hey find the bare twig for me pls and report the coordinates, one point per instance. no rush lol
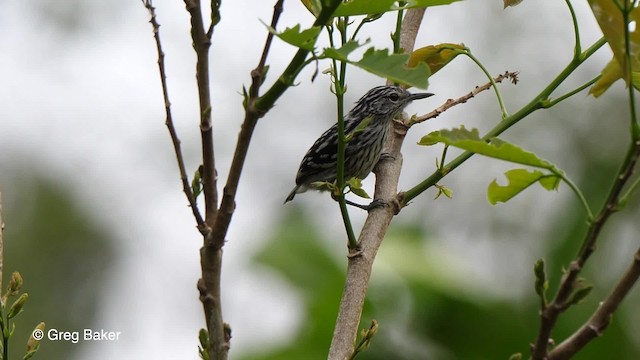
(169, 119)
(513, 76)
(550, 313)
(601, 318)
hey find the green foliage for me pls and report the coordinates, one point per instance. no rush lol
(393, 67)
(196, 183)
(495, 148)
(380, 62)
(365, 339)
(7, 324)
(518, 179)
(376, 61)
(541, 283)
(304, 39)
(355, 186)
(203, 348)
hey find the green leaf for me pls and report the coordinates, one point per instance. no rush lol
(355, 185)
(343, 52)
(17, 306)
(579, 294)
(519, 179)
(305, 39)
(368, 7)
(381, 63)
(443, 190)
(393, 67)
(470, 140)
(196, 183)
(203, 348)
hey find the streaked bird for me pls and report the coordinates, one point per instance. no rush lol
(378, 107)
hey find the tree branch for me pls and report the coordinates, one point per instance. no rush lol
(210, 256)
(376, 225)
(169, 120)
(549, 315)
(601, 318)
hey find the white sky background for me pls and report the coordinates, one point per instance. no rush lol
(84, 103)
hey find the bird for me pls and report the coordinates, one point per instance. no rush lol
(378, 107)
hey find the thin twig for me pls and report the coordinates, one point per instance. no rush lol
(513, 76)
(601, 318)
(169, 119)
(560, 303)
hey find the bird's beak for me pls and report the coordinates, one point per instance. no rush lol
(419, 96)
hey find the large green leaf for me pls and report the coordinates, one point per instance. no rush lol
(305, 39)
(495, 148)
(381, 63)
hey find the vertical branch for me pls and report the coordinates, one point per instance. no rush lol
(201, 45)
(359, 267)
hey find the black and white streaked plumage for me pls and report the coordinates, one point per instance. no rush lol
(381, 104)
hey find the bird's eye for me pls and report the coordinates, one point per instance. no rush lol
(394, 97)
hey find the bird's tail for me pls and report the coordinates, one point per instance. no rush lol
(292, 194)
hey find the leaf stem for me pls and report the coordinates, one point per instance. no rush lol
(577, 49)
(579, 194)
(503, 109)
